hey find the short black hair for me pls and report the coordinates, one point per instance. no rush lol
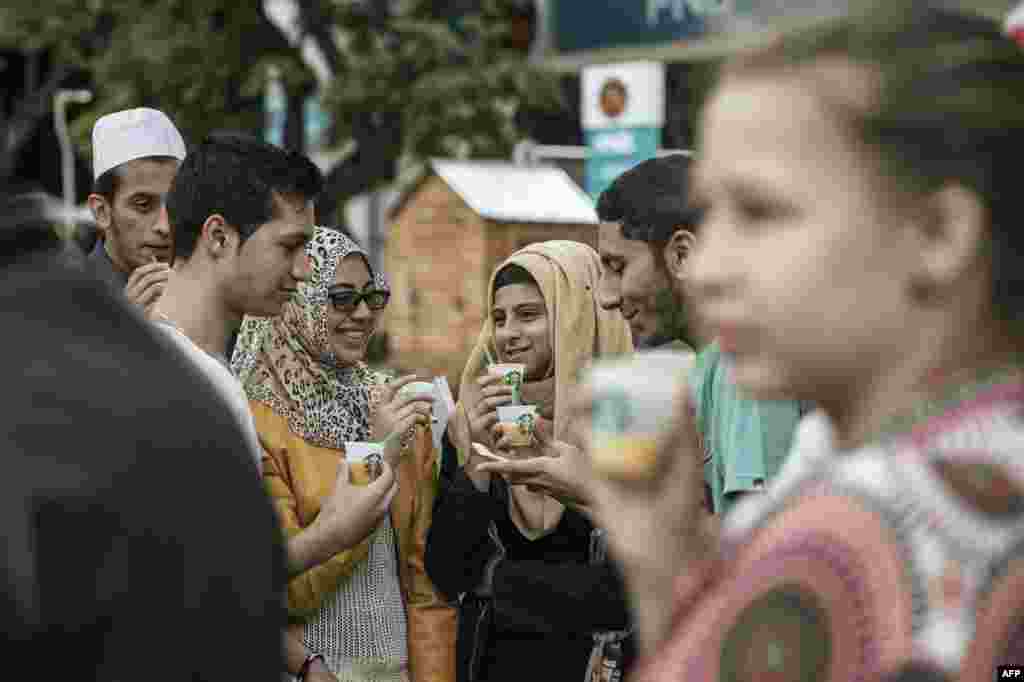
(513, 274)
(235, 175)
(651, 200)
(106, 184)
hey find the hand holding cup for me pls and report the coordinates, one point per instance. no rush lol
(551, 466)
(351, 512)
(481, 403)
(647, 460)
(399, 410)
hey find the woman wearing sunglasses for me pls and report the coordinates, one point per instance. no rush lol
(371, 611)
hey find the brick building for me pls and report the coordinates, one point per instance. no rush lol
(448, 233)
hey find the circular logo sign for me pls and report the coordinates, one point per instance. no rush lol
(614, 97)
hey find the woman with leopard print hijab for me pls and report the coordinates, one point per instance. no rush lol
(371, 611)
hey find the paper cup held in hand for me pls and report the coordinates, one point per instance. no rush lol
(365, 462)
(517, 422)
(633, 400)
(513, 373)
(420, 389)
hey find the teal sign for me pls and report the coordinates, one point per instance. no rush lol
(613, 151)
(586, 24)
(316, 123)
(275, 110)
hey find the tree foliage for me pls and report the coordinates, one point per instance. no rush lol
(454, 80)
(191, 58)
(430, 80)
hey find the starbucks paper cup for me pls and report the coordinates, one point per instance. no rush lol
(517, 422)
(423, 389)
(513, 373)
(365, 462)
(633, 401)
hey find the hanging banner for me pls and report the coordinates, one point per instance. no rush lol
(587, 25)
(623, 109)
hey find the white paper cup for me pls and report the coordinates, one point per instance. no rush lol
(423, 389)
(365, 462)
(517, 422)
(514, 373)
(633, 401)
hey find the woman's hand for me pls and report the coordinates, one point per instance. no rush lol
(482, 404)
(347, 516)
(550, 466)
(656, 528)
(395, 414)
(318, 672)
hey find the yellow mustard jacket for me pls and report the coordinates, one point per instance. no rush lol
(298, 475)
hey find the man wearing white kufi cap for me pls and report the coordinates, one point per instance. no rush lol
(136, 154)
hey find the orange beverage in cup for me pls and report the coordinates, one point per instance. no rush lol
(517, 422)
(633, 401)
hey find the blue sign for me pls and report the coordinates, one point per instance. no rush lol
(611, 152)
(586, 24)
(275, 111)
(316, 122)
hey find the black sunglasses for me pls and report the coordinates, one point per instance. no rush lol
(347, 301)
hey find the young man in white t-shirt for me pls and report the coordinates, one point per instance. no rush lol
(241, 213)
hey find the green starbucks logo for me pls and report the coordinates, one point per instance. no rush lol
(525, 422)
(374, 465)
(514, 378)
(612, 413)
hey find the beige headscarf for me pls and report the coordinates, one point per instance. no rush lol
(567, 273)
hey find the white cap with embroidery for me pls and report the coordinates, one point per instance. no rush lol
(131, 134)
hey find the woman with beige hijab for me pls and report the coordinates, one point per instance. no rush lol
(531, 593)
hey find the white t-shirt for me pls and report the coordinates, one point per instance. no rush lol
(225, 382)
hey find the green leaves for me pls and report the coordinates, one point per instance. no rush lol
(187, 57)
(452, 82)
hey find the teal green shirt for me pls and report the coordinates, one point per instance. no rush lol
(745, 441)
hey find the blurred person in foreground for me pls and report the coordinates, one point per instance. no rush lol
(136, 154)
(859, 251)
(242, 213)
(533, 590)
(106, 574)
(371, 610)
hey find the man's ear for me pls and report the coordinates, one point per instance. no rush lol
(217, 237)
(102, 211)
(677, 252)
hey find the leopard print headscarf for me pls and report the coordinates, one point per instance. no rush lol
(286, 362)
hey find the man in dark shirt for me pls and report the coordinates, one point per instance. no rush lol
(136, 154)
(119, 563)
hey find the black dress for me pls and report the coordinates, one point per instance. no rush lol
(547, 598)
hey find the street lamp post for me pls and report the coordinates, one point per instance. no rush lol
(67, 155)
